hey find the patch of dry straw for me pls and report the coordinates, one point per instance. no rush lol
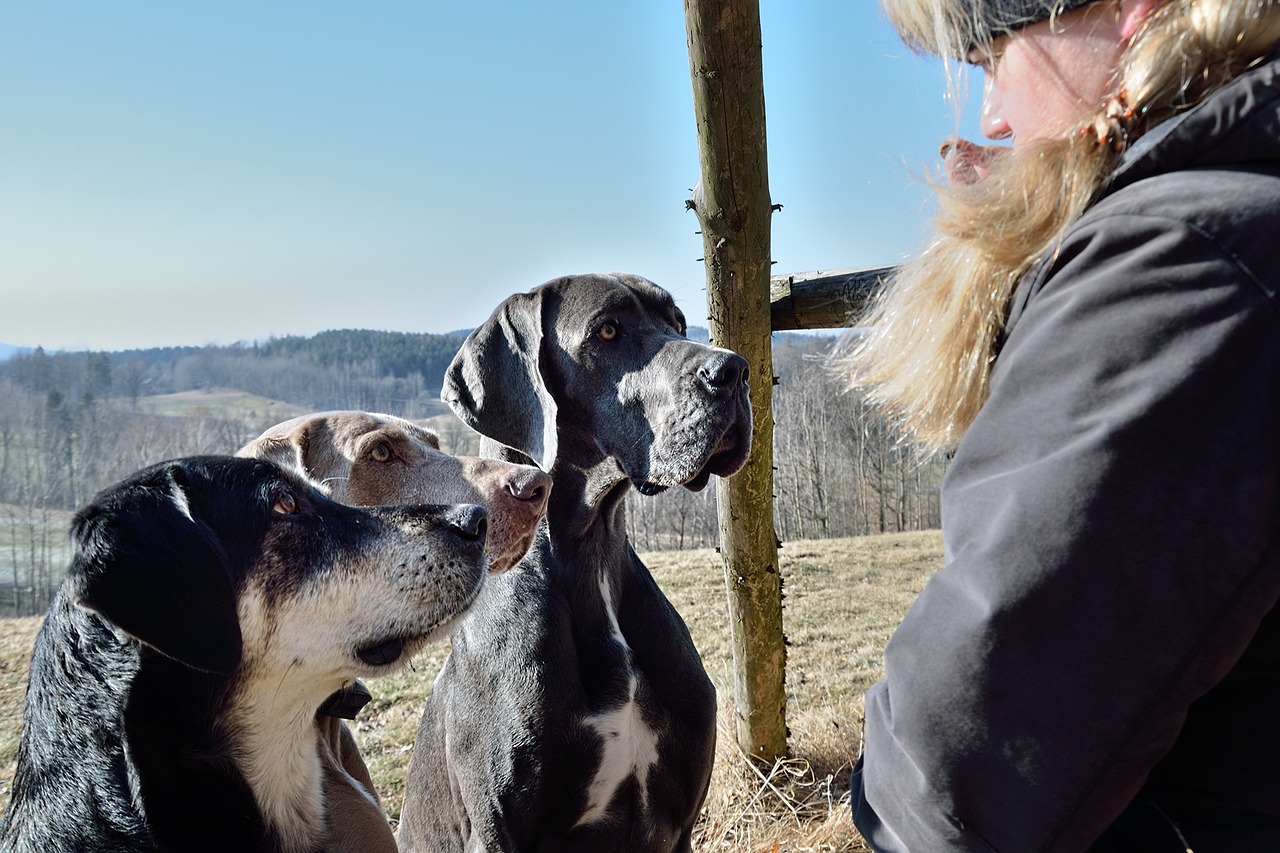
(789, 806)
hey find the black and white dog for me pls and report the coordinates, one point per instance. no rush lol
(573, 712)
(211, 606)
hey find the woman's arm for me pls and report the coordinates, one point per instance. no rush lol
(1111, 523)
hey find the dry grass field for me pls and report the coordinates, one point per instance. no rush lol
(220, 402)
(234, 403)
(843, 599)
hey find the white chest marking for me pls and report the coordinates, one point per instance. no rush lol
(283, 770)
(271, 725)
(629, 745)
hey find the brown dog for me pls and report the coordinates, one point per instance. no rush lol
(368, 459)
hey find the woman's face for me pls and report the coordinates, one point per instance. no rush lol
(1043, 79)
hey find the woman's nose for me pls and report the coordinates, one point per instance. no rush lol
(992, 122)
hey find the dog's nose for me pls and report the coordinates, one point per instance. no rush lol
(723, 371)
(532, 485)
(469, 521)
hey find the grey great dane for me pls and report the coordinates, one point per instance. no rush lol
(573, 711)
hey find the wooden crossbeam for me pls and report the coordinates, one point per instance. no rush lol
(826, 299)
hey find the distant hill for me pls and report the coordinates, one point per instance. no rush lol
(219, 402)
(395, 372)
(396, 354)
(347, 368)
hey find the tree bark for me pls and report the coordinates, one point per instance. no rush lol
(733, 207)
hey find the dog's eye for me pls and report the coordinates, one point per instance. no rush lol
(285, 504)
(380, 453)
(607, 332)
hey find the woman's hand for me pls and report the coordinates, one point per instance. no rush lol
(966, 162)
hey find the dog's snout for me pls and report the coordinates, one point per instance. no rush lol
(469, 522)
(723, 371)
(532, 485)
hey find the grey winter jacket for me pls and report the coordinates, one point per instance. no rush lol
(1098, 662)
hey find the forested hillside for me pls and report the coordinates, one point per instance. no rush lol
(72, 423)
(335, 369)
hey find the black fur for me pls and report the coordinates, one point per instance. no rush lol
(593, 378)
(122, 747)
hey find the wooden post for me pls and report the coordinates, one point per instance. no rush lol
(831, 299)
(733, 207)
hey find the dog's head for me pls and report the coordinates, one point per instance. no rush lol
(223, 563)
(369, 459)
(604, 359)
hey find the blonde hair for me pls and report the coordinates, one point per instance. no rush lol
(926, 358)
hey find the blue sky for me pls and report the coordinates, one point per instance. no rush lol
(193, 173)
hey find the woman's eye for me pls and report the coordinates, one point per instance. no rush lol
(607, 332)
(988, 59)
(285, 504)
(381, 453)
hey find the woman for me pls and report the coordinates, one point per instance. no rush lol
(1095, 333)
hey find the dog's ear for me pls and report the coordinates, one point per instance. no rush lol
(282, 450)
(295, 449)
(496, 383)
(143, 562)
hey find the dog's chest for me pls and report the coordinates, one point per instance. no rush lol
(628, 744)
(277, 751)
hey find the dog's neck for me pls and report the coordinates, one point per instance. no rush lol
(587, 504)
(270, 724)
(587, 498)
(129, 753)
(586, 526)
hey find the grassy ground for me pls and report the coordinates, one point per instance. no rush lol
(221, 402)
(844, 597)
(234, 403)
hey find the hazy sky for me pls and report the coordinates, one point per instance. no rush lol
(200, 172)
